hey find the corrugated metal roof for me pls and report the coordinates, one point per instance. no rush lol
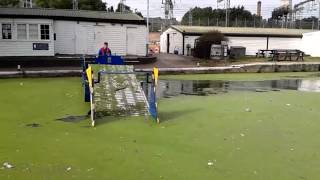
(278, 32)
(69, 14)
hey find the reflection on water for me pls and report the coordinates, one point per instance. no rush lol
(169, 88)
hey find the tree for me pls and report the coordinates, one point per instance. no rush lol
(9, 3)
(203, 14)
(278, 13)
(95, 5)
(203, 43)
(57, 4)
(110, 9)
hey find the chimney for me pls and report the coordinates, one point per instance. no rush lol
(259, 8)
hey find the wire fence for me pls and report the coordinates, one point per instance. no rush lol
(297, 24)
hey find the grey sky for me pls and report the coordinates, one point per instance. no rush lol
(182, 6)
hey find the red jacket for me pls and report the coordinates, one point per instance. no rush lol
(104, 52)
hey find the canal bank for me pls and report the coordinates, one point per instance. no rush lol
(263, 67)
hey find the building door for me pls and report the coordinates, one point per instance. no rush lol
(168, 43)
(131, 41)
(81, 40)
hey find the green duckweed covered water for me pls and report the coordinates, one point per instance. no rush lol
(239, 135)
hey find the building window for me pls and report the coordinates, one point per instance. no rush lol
(33, 31)
(27, 3)
(22, 31)
(6, 31)
(45, 32)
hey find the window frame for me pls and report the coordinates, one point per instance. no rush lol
(38, 32)
(45, 34)
(11, 31)
(26, 31)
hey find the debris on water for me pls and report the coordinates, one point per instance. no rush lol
(158, 155)
(73, 119)
(242, 135)
(90, 169)
(276, 90)
(200, 93)
(288, 104)
(210, 163)
(261, 90)
(7, 165)
(248, 110)
(21, 84)
(255, 172)
(26, 169)
(68, 169)
(69, 95)
(34, 125)
(291, 149)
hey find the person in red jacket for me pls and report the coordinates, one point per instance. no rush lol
(105, 50)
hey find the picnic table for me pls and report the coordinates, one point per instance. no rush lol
(283, 54)
(287, 55)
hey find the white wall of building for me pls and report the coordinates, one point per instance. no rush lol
(24, 47)
(310, 44)
(175, 41)
(65, 37)
(252, 44)
(285, 43)
(74, 37)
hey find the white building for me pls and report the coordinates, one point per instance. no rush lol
(310, 43)
(47, 32)
(180, 37)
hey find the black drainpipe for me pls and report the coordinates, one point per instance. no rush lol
(183, 43)
(267, 42)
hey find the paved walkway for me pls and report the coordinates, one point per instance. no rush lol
(170, 61)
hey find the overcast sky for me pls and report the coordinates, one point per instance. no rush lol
(182, 6)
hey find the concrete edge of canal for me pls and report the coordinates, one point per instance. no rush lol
(269, 67)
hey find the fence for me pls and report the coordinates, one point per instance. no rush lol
(298, 24)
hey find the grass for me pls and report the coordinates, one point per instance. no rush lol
(273, 141)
